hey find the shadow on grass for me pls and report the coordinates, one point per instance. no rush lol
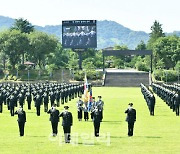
(118, 137)
(152, 137)
(36, 136)
(112, 122)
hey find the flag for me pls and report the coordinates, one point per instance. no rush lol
(90, 100)
(85, 89)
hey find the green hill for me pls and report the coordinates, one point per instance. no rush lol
(109, 33)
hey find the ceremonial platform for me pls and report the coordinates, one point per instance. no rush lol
(125, 78)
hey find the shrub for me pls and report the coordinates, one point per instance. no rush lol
(163, 75)
(171, 75)
(158, 74)
(141, 66)
(91, 75)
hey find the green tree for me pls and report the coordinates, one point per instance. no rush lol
(41, 45)
(141, 46)
(24, 26)
(167, 51)
(59, 58)
(156, 32)
(13, 43)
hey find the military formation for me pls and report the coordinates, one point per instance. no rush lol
(15, 95)
(170, 94)
(41, 93)
(149, 97)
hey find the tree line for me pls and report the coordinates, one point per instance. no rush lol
(22, 42)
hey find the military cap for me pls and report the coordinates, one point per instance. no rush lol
(131, 104)
(66, 107)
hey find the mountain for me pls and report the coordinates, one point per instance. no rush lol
(109, 33)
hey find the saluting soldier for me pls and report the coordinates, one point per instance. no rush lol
(80, 108)
(66, 123)
(131, 118)
(96, 121)
(54, 118)
(21, 120)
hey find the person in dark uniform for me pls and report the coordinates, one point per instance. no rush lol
(100, 104)
(57, 97)
(52, 97)
(152, 104)
(66, 123)
(11, 104)
(62, 95)
(21, 120)
(177, 103)
(131, 118)
(96, 121)
(1, 102)
(46, 101)
(21, 99)
(85, 109)
(92, 107)
(38, 101)
(54, 118)
(29, 99)
(80, 108)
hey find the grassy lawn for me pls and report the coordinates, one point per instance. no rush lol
(158, 134)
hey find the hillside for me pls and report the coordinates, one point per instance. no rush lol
(109, 33)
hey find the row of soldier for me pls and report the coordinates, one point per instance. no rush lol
(41, 93)
(172, 98)
(149, 97)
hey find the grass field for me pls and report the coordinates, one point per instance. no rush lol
(158, 134)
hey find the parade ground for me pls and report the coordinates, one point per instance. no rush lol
(152, 134)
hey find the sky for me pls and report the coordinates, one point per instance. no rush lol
(134, 14)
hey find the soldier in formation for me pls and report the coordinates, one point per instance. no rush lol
(170, 94)
(149, 97)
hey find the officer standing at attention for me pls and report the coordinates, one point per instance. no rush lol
(38, 101)
(131, 118)
(54, 118)
(21, 120)
(66, 123)
(96, 121)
